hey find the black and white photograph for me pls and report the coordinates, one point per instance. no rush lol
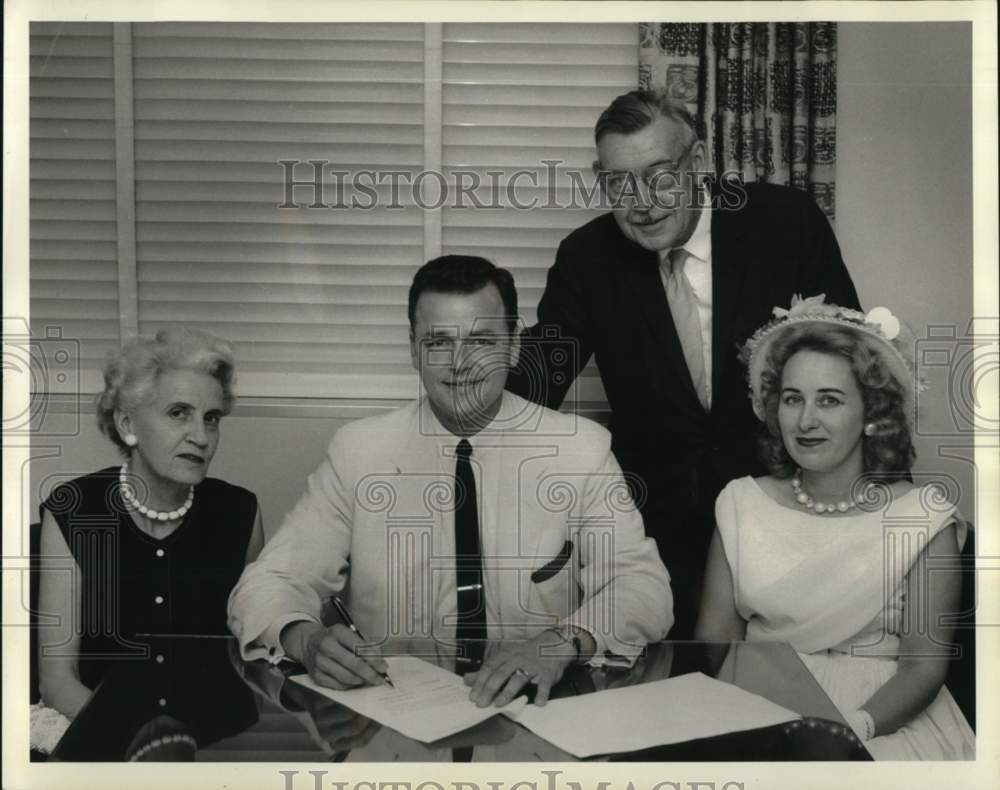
(539, 395)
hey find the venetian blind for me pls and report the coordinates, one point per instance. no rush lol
(523, 98)
(313, 298)
(73, 260)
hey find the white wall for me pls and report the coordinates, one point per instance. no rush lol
(272, 456)
(904, 222)
(904, 198)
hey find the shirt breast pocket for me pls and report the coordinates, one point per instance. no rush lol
(554, 589)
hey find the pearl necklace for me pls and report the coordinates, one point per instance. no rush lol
(156, 515)
(821, 507)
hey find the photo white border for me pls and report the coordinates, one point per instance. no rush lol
(18, 773)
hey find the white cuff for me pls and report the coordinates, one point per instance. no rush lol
(268, 645)
(613, 660)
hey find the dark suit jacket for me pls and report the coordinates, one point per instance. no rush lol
(604, 298)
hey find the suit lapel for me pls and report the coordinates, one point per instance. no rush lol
(643, 275)
(731, 259)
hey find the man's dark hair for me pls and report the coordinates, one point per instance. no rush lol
(633, 111)
(463, 274)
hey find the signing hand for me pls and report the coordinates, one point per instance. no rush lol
(510, 666)
(330, 655)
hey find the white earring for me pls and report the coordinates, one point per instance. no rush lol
(130, 439)
(870, 429)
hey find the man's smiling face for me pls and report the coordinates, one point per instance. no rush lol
(463, 347)
(662, 146)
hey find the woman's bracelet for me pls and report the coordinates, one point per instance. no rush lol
(862, 723)
(164, 741)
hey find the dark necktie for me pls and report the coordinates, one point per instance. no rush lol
(471, 624)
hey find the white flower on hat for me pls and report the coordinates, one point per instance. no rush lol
(887, 323)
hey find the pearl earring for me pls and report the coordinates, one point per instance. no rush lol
(130, 440)
(870, 429)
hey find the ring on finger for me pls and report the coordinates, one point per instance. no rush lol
(522, 673)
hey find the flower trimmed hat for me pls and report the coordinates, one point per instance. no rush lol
(892, 340)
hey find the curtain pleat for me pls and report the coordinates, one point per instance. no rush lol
(766, 94)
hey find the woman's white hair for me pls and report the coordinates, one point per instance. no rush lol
(130, 374)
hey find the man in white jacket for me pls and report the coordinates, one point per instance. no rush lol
(558, 570)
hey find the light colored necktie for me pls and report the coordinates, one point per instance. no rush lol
(684, 309)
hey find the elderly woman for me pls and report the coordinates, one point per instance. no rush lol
(156, 545)
(829, 553)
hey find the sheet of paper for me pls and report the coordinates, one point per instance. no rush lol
(427, 703)
(650, 714)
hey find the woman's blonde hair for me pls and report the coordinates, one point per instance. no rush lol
(888, 452)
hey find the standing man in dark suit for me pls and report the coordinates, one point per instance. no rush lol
(662, 291)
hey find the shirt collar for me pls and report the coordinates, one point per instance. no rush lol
(700, 244)
(506, 415)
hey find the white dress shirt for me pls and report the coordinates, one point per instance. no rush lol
(698, 269)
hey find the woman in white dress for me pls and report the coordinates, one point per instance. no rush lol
(830, 552)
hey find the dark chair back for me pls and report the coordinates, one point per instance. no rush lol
(33, 584)
(961, 679)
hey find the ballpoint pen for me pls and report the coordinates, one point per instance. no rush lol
(349, 622)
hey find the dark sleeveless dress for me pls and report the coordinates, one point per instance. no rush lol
(132, 583)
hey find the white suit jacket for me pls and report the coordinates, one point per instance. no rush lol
(561, 539)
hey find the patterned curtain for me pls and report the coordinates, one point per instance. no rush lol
(765, 92)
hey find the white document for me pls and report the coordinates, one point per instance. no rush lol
(428, 702)
(650, 714)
